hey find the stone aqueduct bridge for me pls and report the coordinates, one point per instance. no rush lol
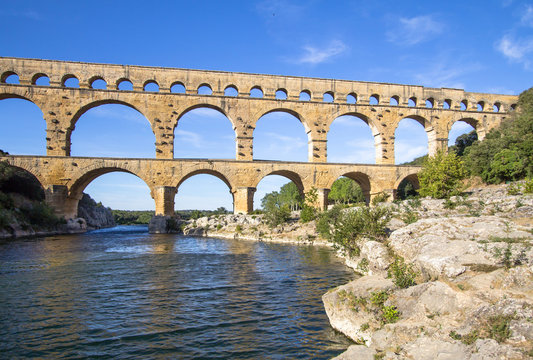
(65, 177)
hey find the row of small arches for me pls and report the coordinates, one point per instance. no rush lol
(71, 81)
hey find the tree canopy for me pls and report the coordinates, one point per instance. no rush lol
(346, 191)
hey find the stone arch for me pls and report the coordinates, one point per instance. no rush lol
(411, 178)
(67, 77)
(430, 136)
(394, 100)
(360, 178)
(305, 95)
(294, 148)
(83, 179)
(374, 130)
(368, 120)
(289, 174)
(473, 122)
(7, 74)
(20, 130)
(30, 168)
(256, 92)
(212, 172)
(204, 105)
(94, 104)
(93, 79)
(150, 83)
(204, 87)
(124, 80)
(38, 76)
(292, 112)
(177, 87)
(82, 110)
(231, 90)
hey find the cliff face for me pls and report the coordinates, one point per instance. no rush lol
(95, 214)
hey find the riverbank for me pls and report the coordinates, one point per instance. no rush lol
(472, 263)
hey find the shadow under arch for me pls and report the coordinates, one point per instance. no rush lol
(34, 174)
(400, 182)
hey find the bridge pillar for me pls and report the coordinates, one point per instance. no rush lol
(56, 196)
(384, 146)
(390, 192)
(243, 200)
(322, 200)
(437, 144)
(245, 148)
(164, 200)
(164, 146)
(318, 148)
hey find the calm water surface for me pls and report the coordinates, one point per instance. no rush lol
(123, 293)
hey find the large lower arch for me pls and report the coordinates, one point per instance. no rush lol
(111, 128)
(401, 190)
(23, 126)
(362, 179)
(279, 178)
(277, 136)
(206, 193)
(79, 184)
(202, 131)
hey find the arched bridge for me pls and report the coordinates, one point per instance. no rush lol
(164, 95)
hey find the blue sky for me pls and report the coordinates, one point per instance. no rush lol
(482, 46)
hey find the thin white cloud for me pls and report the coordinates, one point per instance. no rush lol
(527, 16)
(315, 55)
(440, 73)
(415, 30)
(189, 137)
(516, 50)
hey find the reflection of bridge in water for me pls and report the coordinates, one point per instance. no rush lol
(243, 99)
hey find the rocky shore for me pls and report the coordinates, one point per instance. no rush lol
(91, 216)
(471, 261)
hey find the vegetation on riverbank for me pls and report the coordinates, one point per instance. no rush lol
(22, 202)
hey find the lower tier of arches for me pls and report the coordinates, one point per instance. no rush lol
(65, 178)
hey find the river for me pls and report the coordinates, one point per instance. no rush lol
(123, 293)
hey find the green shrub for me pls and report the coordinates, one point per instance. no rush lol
(378, 298)
(238, 228)
(6, 201)
(355, 224)
(389, 314)
(380, 198)
(441, 176)
(528, 186)
(403, 275)
(277, 215)
(41, 215)
(514, 189)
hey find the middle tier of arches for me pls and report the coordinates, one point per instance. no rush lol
(63, 108)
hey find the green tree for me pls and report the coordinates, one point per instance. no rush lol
(514, 135)
(345, 191)
(441, 176)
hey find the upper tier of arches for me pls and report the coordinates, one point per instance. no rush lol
(217, 83)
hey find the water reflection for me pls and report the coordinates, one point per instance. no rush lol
(125, 293)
